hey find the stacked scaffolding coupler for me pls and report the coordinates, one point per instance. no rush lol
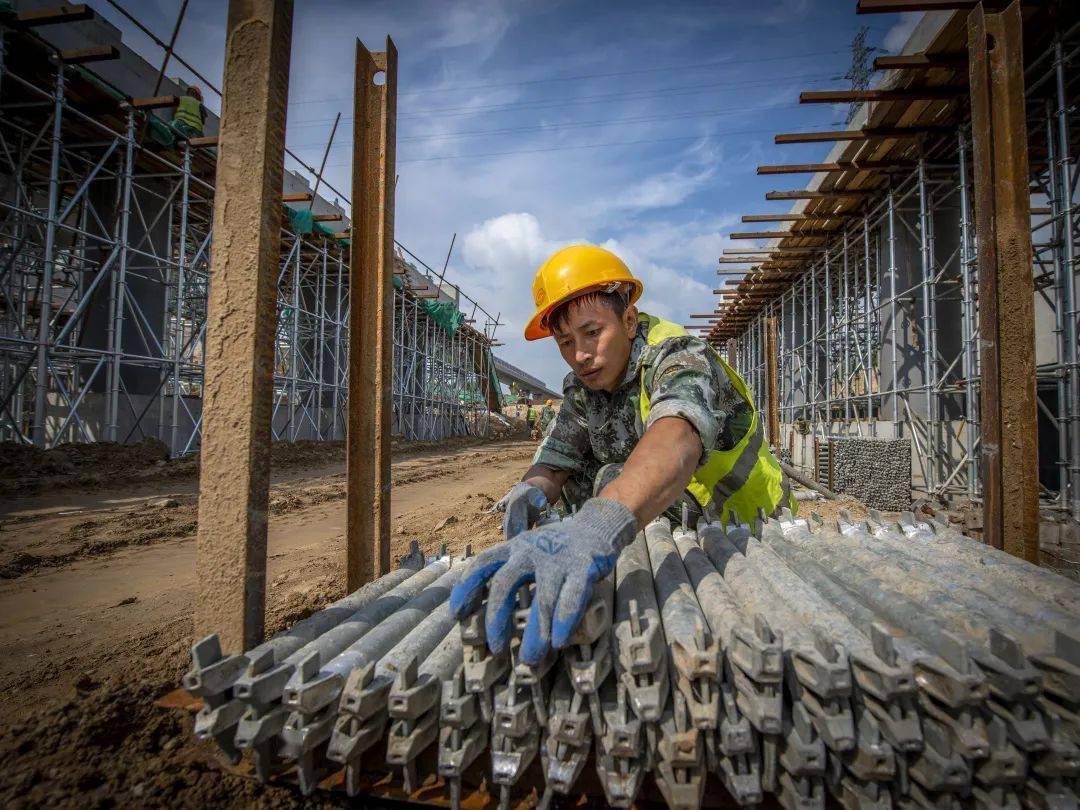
(882, 664)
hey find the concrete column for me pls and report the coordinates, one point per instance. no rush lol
(235, 457)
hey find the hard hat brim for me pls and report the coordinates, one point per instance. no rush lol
(537, 327)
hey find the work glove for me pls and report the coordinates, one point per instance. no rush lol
(522, 506)
(564, 558)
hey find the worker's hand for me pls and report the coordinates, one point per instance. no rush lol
(563, 558)
(522, 505)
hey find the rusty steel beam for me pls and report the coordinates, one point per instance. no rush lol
(772, 382)
(234, 476)
(1009, 442)
(371, 296)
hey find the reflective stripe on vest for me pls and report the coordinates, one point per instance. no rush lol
(189, 110)
(740, 481)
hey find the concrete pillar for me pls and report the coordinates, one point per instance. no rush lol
(235, 459)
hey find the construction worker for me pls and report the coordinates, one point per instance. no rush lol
(188, 117)
(650, 416)
(547, 416)
(530, 414)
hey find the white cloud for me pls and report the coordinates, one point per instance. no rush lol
(502, 254)
(897, 36)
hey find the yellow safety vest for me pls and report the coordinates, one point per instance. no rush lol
(189, 110)
(739, 481)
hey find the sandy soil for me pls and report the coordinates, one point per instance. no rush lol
(96, 603)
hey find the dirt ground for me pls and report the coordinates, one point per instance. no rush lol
(96, 582)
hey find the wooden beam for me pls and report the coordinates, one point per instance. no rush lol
(1009, 444)
(842, 166)
(204, 141)
(902, 6)
(782, 234)
(371, 297)
(800, 194)
(327, 218)
(794, 251)
(753, 260)
(296, 198)
(859, 134)
(920, 61)
(95, 53)
(908, 94)
(793, 217)
(54, 15)
(234, 458)
(772, 383)
(154, 102)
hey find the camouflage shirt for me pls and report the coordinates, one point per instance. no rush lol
(684, 378)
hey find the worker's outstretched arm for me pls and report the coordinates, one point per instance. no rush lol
(566, 558)
(658, 470)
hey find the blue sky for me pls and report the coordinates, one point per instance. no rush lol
(524, 126)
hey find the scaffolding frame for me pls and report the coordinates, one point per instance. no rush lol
(105, 245)
(849, 327)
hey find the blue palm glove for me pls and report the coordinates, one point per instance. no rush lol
(564, 559)
(523, 506)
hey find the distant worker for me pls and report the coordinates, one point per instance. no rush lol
(547, 416)
(188, 118)
(651, 418)
(530, 414)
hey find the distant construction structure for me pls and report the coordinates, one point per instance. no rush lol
(924, 284)
(105, 244)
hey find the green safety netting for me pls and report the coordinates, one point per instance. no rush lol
(444, 313)
(302, 221)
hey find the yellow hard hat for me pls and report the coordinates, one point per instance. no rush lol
(550, 402)
(571, 272)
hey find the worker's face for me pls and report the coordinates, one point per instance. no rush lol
(595, 343)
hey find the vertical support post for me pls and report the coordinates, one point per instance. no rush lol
(41, 385)
(118, 303)
(1006, 296)
(178, 328)
(371, 295)
(772, 382)
(234, 482)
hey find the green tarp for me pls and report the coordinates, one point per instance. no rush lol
(302, 222)
(444, 313)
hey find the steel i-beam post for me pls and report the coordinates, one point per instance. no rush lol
(772, 377)
(1006, 295)
(234, 483)
(371, 317)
